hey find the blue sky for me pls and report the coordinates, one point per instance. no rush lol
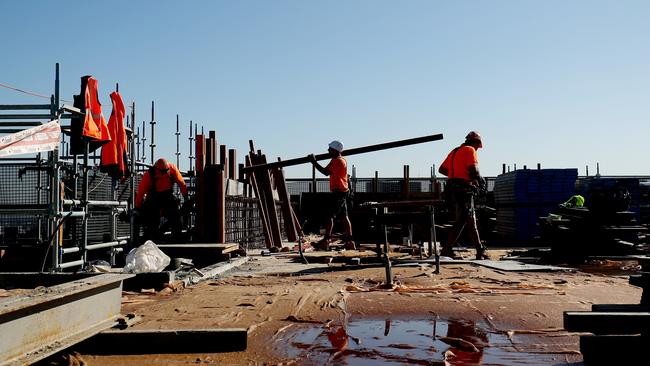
(561, 83)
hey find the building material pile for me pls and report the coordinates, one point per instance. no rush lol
(608, 225)
(620, 330)
(522, 196)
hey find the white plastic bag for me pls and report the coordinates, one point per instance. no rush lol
(146, 258)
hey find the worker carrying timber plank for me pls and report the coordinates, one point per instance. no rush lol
(464, 178)
(337, 170)
(155, 198)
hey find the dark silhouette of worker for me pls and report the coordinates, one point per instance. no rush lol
(464, 178)
(337, 170)
(155, 199)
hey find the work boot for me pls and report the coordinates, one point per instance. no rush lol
(323, 244)
(350, 245)
(447, 252)
(481, 253)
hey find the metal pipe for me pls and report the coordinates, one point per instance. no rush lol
(84, 198)
(56, 88)
(348, 152)
(191, 155)
(96, 203)
(106, 245)
(20, 124)
(55, 181)
(132, 151)
(70, 250)
(23, 107)
(153, 129)
(72, 264)
(388, 266)
(178, 145)
(433, 248)
(123, 241)
(25, 116)
(144, 141)
(71, 214)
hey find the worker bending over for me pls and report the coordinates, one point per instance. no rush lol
(337, 170)
(155, 198)
(464, 178)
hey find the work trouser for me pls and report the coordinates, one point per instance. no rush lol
(461, 203)
(156, 206)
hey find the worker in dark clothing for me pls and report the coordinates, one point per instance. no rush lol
(155, 198)
(337, 170)
(464, 178)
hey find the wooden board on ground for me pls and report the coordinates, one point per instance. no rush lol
(518, 266)
(202, 254)
(159, 341)
(330, 256)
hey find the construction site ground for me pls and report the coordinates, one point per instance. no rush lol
(298, 314)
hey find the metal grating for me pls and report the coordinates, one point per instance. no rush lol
(22, 204)
(243, 223)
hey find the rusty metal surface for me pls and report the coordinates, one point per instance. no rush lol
(45, 320)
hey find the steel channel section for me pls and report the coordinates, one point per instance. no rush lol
(38, 324)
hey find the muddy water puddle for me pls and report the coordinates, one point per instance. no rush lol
(404, 342)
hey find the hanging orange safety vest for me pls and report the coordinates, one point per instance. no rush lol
(114, 153)
(95, 128)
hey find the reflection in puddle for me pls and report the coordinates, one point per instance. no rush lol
(405, 341)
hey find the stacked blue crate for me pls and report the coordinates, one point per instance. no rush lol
(522, 196)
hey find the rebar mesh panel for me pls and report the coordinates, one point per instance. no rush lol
(22, 186)
(243, 223)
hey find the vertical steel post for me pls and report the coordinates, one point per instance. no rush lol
(178, 146)
(133, 234)
(84, 203)
(387, 263)
(153, 129)
(144, 141)
(137, 144)
(433, 241)
(191, 155)
(54, 198)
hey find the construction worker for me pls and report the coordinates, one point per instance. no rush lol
(575, 201)
(337, 170)
(155, 198)
(464, 178)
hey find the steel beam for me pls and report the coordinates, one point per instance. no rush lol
(39, 323)
(346, 152)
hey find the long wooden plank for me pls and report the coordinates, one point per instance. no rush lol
(607, 322)
(221, 205)
(285, 204)
(252, 180)
(620, 307)
(264, 182)
(614, 349)
(161, 341)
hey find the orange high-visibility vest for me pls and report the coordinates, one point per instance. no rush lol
(95, 128)
(154, 180)
(114, 153)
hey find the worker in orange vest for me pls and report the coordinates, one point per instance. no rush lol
(337, 170)
(155, 198)
(464, 178)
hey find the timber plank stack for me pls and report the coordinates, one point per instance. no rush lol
(621, 332)
(274, 203)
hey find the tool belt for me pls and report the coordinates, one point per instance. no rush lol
(457, 186)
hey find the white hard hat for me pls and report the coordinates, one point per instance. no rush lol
(336, 145)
